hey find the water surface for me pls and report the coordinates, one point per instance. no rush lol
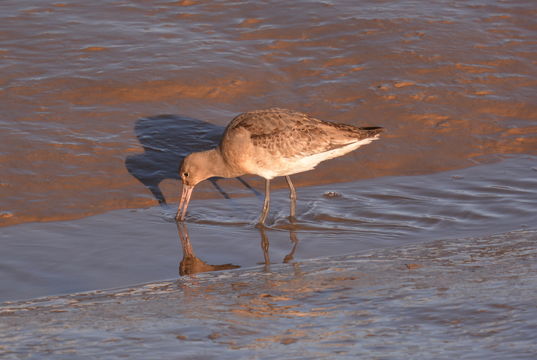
(419, 245)
(471, 298)
(453, 82)
(134, 246)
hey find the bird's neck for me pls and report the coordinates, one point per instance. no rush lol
(217, 166)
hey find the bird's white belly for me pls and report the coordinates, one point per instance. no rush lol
(269, 165)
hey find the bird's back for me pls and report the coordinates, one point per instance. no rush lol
(277, 142)
(290, 133)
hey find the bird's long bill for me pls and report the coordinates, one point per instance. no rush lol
(183, 204)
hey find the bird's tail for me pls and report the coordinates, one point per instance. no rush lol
(371, 131)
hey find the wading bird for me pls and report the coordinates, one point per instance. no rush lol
(270, 143)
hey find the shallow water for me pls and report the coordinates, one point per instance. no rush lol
(451, 81)
(128, 247)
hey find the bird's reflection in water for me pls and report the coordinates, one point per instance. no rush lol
(191, 264)
(265, 247)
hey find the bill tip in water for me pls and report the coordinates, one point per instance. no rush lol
(183, 203)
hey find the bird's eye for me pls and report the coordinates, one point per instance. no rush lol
(185, 174)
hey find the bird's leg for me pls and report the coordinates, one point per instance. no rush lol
(266, 204)
(292, 197)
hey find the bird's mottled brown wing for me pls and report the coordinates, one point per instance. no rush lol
(290, 133)
(284, 132)
(269, 121)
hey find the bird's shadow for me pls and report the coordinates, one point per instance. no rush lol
(166, 140)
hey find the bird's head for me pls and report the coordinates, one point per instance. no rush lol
(195, 169)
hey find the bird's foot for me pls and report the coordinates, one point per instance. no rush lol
(261, 226)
